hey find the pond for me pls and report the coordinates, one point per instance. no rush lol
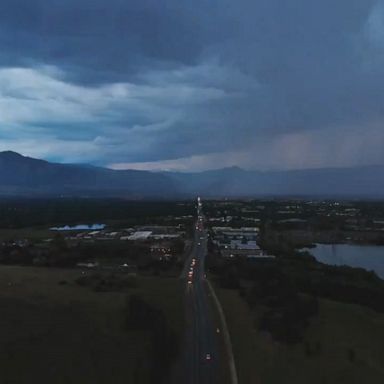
(369, 257)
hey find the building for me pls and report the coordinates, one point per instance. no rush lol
(140, 235)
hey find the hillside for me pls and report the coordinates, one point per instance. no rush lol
(24, 176)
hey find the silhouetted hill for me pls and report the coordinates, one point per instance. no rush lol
(349, 182)
(24, 176)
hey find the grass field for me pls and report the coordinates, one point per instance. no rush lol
(25, 233)
(55, 332)
(324, 357)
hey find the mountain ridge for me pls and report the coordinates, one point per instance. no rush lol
(21, 175)
(26, 176)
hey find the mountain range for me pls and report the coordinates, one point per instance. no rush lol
(27, 177)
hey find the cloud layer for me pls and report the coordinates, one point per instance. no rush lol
(183, 85)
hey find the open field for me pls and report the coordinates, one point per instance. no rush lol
(343, 344)
(26, 233)
(54, 331)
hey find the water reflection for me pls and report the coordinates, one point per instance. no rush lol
(369, 257)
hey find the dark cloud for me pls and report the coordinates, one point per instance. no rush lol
(151, 80)
(105, 40)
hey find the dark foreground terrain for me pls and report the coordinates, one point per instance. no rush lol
(53, 330)
(108, 305)
(293, 319)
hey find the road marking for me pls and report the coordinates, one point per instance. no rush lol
(227, 337)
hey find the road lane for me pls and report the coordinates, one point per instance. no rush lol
(201, 351)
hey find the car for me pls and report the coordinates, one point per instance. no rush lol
(208, 357)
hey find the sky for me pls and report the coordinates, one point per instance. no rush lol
(193, 85)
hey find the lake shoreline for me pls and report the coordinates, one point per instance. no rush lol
(368, 257)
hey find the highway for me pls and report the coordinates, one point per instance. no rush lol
(201, 343)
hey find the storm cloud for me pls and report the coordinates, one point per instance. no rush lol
(176, 84)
